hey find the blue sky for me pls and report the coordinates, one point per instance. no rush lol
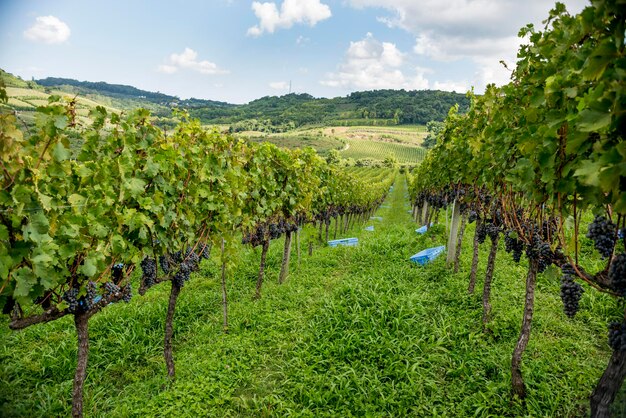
(240, 50)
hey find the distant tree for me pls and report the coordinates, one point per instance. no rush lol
(367, 162)
(349, 162)
(390, 161)
(333, 157)
(434, 129)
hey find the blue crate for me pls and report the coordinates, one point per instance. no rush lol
(369, 228)
(347, 242)
(422, 229)
(427, 255)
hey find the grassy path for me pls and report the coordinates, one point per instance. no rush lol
(355, 331)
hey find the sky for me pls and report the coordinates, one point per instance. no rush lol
(240, 50)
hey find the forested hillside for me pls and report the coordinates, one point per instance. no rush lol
(378, 107)
(279, 113)
(122, 91)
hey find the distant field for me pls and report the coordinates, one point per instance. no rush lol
(26, 97)
(377, 142)
(321, 143)
(405, 134)
(363, 148)
(357, 142)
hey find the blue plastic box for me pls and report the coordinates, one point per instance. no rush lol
(427, 255)
(369, 228)
(348, 242)
(422, 229)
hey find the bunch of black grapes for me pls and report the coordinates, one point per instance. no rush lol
(540, 251)
(571, 292)
(617, 335)
(602, 232)
(481, 233)
(187, 265)
(617, 274)
(513, 245)
(149, 271)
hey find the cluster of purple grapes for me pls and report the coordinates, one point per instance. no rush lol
(571, 292)
(513, 245)
(187, 265)
(117, 273)
(71, 297)
(110, 290)
(87, 302)
(540, 251)
(437, 201)
(481, 233)
(493, 230)
(78, 304)
(273, 230)
(256, 237)
(602, 232)
(617, 335)
(617, 274)
(276, 229)
(127, 293)
(149, 272)
(205, 252)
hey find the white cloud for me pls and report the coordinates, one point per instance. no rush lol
(279, 85)
(49, 30)
(451, 48)
(291, 12)
(188, 59)
(459, 87)
(480, 31)
(495, 18)
(371, 64)
(167, 69)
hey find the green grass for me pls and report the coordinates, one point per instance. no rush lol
(356, 331)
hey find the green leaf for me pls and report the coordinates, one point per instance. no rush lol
(60, 153)
(89, 267)
(593, 120)
(60, 122)
(600, 58)
(135, 186)
(118, 244)
(46, 201)
(25, 279)
(76, 200)
(83, 171)
(589, 173)
(98, 230)
(37, 228)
